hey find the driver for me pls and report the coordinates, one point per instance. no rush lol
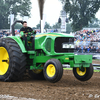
(26, 31)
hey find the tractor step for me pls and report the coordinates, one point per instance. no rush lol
(31, 52)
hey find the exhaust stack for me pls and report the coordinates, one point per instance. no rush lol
(41, 7)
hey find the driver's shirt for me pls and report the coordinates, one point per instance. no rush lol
(26, 29)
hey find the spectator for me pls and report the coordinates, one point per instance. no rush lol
(84, 49)
(91, 49)
(88, 50)
(98, 50)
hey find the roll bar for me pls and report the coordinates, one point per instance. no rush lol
(12, 27)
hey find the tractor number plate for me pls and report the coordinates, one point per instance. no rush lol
(67, 46)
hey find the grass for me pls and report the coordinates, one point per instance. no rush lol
(94, 70)
(72, 69)
(97, 66)
(96, 59)
(67, 68)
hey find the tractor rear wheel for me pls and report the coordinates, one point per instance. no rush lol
(53, 70)
(12, 60)
(84, 74)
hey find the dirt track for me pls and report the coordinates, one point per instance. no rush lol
(96, 62)
(69, 88)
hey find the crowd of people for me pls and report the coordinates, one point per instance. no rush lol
(4, 33)
(89, 49)
(87, 41)
(92, 35)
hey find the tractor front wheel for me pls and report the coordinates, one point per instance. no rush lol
(83, 74)
(53, 70)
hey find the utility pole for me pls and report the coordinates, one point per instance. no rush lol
(11, 17)
(63, 18)
(63, 21)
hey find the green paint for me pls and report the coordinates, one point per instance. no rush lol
(41, 39)
(44, 50)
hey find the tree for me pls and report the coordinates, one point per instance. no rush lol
(18, 26)
(17, 7)
(38, 26)
(95, 23)
(34, 28)
(81, 11)
(47, 26)
(57, 25)
(68, 28)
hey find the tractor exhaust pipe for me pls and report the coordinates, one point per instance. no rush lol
(41, 7)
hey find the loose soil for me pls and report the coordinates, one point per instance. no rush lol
(68, 88)
(96, 61)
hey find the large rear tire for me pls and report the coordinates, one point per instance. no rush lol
(84, 75)
(53, 70)
(12, 61)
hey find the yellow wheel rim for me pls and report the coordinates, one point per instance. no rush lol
(4, 60)
(51, 70)
(81, 73)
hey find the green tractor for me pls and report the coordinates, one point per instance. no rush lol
(52, 50)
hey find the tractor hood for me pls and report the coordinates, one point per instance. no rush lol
(53, 35)
(50, 45)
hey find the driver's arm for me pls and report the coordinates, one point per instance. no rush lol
(34, 32)
(22, 33)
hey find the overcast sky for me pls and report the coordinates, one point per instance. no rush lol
(52, 10)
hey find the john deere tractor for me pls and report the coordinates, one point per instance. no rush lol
(51, 51)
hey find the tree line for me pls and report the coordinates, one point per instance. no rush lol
(81, 13)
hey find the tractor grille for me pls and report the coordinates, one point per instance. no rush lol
(60, 41)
